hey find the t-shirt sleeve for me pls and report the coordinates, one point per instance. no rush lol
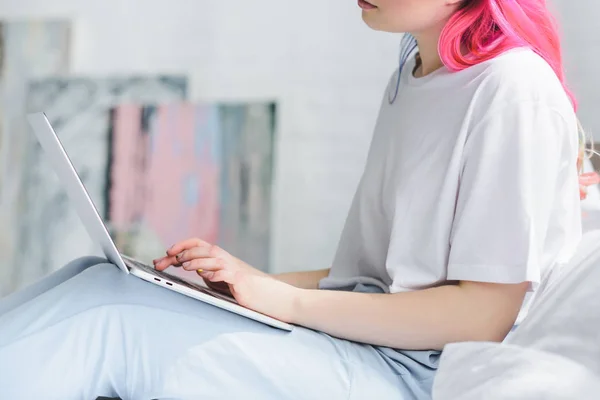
(511, 171)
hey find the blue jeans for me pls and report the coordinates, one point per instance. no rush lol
(90, 330)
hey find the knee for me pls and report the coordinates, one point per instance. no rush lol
(83, 263)
(78, 266)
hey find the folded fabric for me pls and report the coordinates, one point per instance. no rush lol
(493, 371)
(565, 316)
(553, 354)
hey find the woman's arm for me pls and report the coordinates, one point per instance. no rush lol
(304, 279)
(420, 320)
(424, 319)
(203, 256)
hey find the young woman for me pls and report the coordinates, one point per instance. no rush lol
(469, 195)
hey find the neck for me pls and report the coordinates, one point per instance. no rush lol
(428, 51)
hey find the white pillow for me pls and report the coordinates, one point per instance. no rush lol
(553, 354)
(564, 317)
(493, 371)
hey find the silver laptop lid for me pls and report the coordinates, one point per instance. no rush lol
(75, 189)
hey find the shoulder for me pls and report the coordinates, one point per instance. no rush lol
(520, 76)
(519, 84)
(517, 95)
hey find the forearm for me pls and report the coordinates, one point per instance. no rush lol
(420, 320)
(304, 279)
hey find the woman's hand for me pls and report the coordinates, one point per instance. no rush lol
(585, 180)
(260, 293)
(221, 271)
(198, 255)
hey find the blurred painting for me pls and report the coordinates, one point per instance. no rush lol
(50, 232)
(248, 142)
(191, 170)
(28, 49)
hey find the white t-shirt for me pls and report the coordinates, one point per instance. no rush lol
(471, 175)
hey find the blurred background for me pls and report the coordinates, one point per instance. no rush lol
(242, 122)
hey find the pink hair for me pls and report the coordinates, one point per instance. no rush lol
(487, 28)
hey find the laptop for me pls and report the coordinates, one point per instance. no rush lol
(97, 230)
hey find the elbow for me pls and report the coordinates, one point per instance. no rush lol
(494, 311)
(492, 327)
(492, 332)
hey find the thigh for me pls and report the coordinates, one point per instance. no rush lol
(28, 293)
(105, 333)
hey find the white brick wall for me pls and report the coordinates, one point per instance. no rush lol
(579, 24)
(318, 59)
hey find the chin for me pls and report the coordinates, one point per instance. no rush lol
(371, 22)
(376, 24)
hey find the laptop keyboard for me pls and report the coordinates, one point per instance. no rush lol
(131, 263)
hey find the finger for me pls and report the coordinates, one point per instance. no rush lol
(165, 263)
(222, 275)
(206, 275)
(582, 192)
(589, 179)
(208, 251)
(184, 245)
(157, 260)
(195, 252)
(210, 264)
